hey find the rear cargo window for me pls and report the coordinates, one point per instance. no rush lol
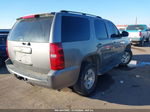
(31, 30)
(135, 27)
(75, 29)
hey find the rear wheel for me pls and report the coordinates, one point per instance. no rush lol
(126, 58)
(141, 43)
(87, 80)
(147, 40)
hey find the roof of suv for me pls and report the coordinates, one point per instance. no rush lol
(137, 25)
(53, 13)
(79, 13)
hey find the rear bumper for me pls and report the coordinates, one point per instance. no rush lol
(54, 79)
(135, 39)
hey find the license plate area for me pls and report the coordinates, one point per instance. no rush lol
(23, 58)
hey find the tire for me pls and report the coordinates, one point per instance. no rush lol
(82, 86)
(147, 40)
(126, 58)
(141, 43)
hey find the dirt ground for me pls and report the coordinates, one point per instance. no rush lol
(120, 88)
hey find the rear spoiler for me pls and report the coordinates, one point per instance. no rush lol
(37, 16)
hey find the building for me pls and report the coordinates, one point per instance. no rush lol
(122, 27)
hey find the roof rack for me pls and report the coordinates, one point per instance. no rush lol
(80, 13)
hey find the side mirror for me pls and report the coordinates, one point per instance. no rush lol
(125, 34)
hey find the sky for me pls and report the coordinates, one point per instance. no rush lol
(118, 11)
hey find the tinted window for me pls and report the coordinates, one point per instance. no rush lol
(112, 29)
(135, 27)
(3, 39)
(31, 30)
(100, 29)
(75, 29)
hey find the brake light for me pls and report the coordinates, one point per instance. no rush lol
(30, 16)
(140, 34)
(7, 48)
(56, 56)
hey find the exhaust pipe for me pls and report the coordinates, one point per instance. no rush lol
(21, 78)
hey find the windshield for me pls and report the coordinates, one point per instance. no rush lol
(135, 27)
(31, 30)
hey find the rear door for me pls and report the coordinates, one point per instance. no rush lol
(28, 43)
(104, 45)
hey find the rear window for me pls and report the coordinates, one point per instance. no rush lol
(75, 29)
(135, 27)
(3, 39)
(31, 30)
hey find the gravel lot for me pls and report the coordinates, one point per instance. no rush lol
(121, 88)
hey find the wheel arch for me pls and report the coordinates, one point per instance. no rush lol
(128, 47)
(92, 58)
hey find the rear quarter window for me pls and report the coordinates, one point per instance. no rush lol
(75, 29)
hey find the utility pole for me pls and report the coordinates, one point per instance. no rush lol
(136, 20)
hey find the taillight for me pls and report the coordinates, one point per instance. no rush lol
(7, 48)
(140, 34)
(56, 56)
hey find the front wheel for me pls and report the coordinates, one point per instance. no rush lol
(126, 58)
(87, 80)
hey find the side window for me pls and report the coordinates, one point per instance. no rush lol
(75, 29)
(112, 29)
(100, 29)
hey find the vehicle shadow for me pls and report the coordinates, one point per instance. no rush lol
(142, 58)
(146, 44)
(3, 70)
(126, 86)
